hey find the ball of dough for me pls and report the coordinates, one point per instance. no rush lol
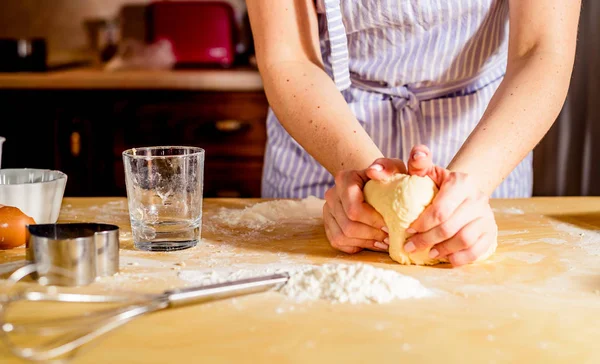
(400, 200)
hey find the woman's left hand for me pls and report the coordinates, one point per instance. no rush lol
(459, 224)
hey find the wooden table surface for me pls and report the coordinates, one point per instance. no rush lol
(536, 300)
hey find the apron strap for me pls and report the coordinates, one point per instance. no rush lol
(338, 44)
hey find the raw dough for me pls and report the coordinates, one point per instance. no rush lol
(400, 200)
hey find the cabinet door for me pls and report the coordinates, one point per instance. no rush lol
(236, 177)
(223, 123)
(27, 124)
(84, 142)
(229, 126)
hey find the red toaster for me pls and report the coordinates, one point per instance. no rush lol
(200, 32)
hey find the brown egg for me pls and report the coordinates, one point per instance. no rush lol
(13, 227)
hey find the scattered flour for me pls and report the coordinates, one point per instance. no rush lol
(509, 211)
(141, 262)
(266, 215)
(553, 241)
(588, 240)
(103, 213)
(214, 276)
(527, 257)
(512, 232)
(336, 283)
(353, 283)
(521, 242)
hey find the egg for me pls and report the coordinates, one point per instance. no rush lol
(13, 227)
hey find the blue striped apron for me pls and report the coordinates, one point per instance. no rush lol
(413, 72)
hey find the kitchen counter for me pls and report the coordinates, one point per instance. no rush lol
(92, 78)
(536, 299)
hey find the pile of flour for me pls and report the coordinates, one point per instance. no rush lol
(266, 215)
(336, 283)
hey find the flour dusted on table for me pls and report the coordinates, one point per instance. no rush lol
(337, 283)
(586, 239)
(509, 211)
(215, 276)
(353, 283)
(268, 214)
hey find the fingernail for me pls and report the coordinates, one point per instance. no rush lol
(419, 155)
(385, 230)
(411, 231)
(377, 167)
(387, 241)
(409, 247)
(433, 253)
(381, 245)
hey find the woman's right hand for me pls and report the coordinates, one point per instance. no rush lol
(351, 224)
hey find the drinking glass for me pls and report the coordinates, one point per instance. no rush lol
(164, 193)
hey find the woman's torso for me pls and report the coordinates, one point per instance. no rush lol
(418, 72)
(421, 43)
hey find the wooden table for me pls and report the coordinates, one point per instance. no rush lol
(536, 300)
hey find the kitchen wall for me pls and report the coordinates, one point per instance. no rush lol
(60, 21)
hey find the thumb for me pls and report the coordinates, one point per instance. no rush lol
(420, 162)
(384, 168)
(438, 175)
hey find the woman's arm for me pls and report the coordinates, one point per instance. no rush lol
(540, 60)
(304, 98)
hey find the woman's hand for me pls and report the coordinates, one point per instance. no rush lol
(351, 224)
(459, 224)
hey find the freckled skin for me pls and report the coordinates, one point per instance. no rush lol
(286, 38)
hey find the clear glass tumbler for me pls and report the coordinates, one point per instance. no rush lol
(164, 193)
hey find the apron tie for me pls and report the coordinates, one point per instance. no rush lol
(338, 44)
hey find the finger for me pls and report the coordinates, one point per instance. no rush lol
(334, 234)
(470, 255)
(438, 174)
(464, 239)
(331, 196)
(353, 229)
(353, 200)
(384, 168)
(420, 162)
(469, 210)
(339, 241)
(452, 193)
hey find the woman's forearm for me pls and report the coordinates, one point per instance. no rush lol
(521, 111)
(315, 114)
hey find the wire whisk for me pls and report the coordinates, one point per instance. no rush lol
(62, 337)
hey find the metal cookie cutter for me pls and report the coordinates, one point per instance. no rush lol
(73, 254)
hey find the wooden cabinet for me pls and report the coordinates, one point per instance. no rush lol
(27, 124)
(85, 132)
(230, 127)
(83, 141)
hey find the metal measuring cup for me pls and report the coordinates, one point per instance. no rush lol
(73, 254)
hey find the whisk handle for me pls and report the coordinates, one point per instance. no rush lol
(184, 296)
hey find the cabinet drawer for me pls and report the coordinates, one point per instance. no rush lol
(224, 124)
(234, 178)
